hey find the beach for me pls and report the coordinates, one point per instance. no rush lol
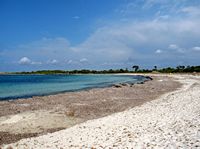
(170, 121)
(37, 116)
(100, 74)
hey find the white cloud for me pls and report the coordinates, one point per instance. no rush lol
(135, 40)
(73, 62)
(164, 4)
(27, 61)
(151, 3)
(24, 61)
(112, 64)
(83, 60)
(192, 11)
(53, 61)
(48, 48)
(173, 46)
(158, 51)
(176, 47)
(76, 17)
(119, 42)
(69, 61)
(36, 63)
(45, 51)
(196, 48)
(162, 17)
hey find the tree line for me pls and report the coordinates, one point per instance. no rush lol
(135, 69)
(178, 69)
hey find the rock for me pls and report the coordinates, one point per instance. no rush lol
(148, 77)
(124, 84)
(140, 83)
(117, 85)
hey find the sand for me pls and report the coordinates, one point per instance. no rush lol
(39, 115)
(170, 121)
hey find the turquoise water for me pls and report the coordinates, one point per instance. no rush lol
(23, 86)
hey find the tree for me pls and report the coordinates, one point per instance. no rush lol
(155, 68)
(180, 67)
(135, 67)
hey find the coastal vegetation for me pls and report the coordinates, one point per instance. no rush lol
(135, 69)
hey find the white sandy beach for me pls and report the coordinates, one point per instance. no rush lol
(171, 121)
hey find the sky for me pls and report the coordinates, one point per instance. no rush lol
(98, 34)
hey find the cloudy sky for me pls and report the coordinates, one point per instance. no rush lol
(98, 34)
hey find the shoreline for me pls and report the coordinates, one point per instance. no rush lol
(40, 115)
(72, 90)
(170, 121)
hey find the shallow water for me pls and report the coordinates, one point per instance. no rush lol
(23, 86)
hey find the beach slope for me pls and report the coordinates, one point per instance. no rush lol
(171, 121)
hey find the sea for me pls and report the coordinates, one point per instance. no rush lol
(25, 86)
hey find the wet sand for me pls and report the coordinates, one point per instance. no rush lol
(36, 116)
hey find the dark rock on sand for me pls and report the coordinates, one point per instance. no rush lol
(148, 77)
(117, 85)
(140, 83)
(124, 84)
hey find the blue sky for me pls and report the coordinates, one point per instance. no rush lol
(98, 34)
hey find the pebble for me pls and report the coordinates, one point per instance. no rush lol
(168, 122)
